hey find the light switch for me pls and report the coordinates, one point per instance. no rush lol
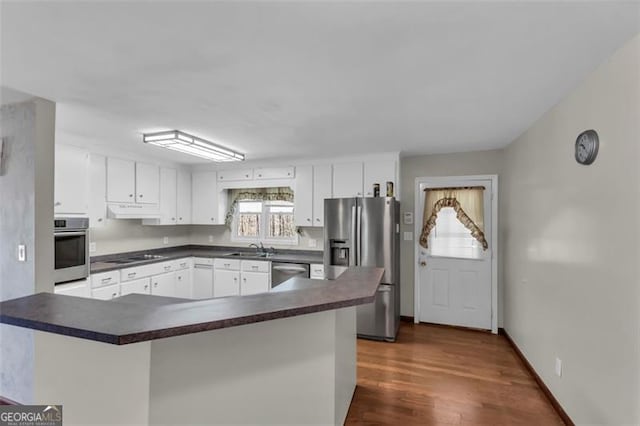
(92, 247)
(313, 242)
(165, 240)
(408, 236)
(408, 218)
(22, 253)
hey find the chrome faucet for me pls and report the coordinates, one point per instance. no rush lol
(259, 248)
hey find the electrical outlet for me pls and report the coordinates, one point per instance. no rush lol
(558, 367)
(22, 253)
(165, 240)
(408, 236)
(92, 247)
(313, 242)
(210, 238)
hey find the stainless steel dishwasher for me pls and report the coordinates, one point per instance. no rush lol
(281, 272)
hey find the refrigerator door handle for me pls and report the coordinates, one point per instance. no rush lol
(359, 234)
(354, 236)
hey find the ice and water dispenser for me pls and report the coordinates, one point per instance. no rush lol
(340, 252)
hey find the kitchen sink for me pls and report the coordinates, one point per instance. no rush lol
(249, 255)
(136, 258)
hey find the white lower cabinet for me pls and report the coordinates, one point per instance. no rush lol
(226, 283)
(254, 282)
(202, 279)
(316, 271)
(107, 292)
(141, 286)
(184, 286)
(164, 284)
(76, 288)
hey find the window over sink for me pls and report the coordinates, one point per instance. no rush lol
(270, 222)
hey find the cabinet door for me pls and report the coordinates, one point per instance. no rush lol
(321, 190)
(183, 205)
(202, 282)
(347, 180)
(184, 287)
(77, 288)
(141, 286)
(303, 196)
(71, 180)
(236, 174)
(147, 183)
(168, 196)
(226, 283)
(274, 173)
(164, 285)
(379, 172)
(106, 293)
(121, 181)
(97, 190)
(254, 282)
(204, 199)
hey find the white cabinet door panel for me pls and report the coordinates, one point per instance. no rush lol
(236, 174)
(71, 180)
(204, 199)
(164, 285)
(303, 196)
(106, 293)
(254, 283)
(226, 283)
(347, 180)
(274, 173)
(168, 196)
(184, 287)
(183, 204)
(147, 183)
(97, 190)
(322, 183)
(121, 180)
(379, 172)
(141, 286)
(202, 284)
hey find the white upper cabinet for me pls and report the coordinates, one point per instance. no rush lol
(183, 208)
(97, 190)
(303, 196)
(121, 180)
(379, 172)
(274, 173)
(71, 180)
(168, 196)
(204, 199)
(147, 183)
(237, 174)
(322, 185)
(347, 180)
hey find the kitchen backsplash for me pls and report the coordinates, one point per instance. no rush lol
(117, 236)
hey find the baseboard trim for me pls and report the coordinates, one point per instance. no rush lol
(7, 401)
(552, 399)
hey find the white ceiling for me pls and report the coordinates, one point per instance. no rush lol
(287, 79)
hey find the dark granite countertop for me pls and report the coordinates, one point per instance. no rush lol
(106, 263)
(139, 318)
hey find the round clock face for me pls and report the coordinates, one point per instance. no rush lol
(587, 147)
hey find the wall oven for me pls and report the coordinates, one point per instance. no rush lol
(71, 249)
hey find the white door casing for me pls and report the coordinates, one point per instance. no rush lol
(457, 291)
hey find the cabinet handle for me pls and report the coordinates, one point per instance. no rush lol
(235, 278)
(173, 218)
(244, 279)
(308, 220)
(131, 274)
(114, 295)
(179, 278)
(58, 203)
(179, 218)
(254, 267)
(100, 219)
(130, 195)
(288, 173)
(155, 284)
(183, 265)
(143, 195)
(226, 265)
(258, 175)
(246, 175)
(317, 220)
(211, 219)
(167, 268)
(221, 177)
(106, 280)
(359, 193)
(146, 286)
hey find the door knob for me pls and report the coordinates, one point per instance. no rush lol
(423, 263)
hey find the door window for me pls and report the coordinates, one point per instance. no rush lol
(450, 238)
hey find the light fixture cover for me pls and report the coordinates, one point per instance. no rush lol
(192, 145)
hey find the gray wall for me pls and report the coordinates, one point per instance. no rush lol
(571, 233)
(26, 217)
(458, 164)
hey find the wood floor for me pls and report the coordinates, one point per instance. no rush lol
(439, 375)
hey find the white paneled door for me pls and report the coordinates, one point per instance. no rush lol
(454, 275)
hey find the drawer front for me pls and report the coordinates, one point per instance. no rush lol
(316, 271)
(225, 175)
(181, 264)
(256, 266)
(137, 272)
(202, 261)
(274, 173)
(107, 292)
(229, 264)
(105, 278)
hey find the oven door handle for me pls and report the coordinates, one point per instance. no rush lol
(70, 234)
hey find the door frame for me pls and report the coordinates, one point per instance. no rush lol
(419, 207)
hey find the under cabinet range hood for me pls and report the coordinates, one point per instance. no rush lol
(133, 211)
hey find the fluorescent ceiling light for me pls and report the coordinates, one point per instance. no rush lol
(176, 140)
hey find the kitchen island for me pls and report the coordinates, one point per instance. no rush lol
(283, 357)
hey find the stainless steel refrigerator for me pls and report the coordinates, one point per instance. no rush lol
(365, 232)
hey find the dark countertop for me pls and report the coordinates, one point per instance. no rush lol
(139, 318)
(105, 264)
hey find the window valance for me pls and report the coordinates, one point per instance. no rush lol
(256, 194)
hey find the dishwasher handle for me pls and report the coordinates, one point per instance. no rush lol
(289, 269)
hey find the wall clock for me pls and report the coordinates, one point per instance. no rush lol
(587, 145)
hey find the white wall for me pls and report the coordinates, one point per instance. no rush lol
(122, 235)
(221, 236)
(571, 255)
(457, 164)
